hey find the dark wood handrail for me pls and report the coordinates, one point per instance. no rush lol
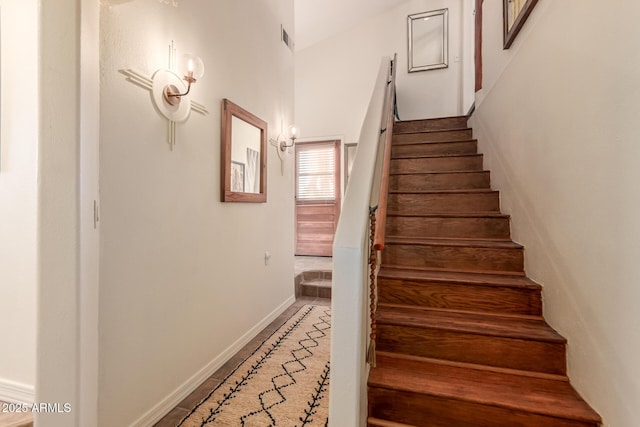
(381, 213)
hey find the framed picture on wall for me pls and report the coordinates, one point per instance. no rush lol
(515, 13)
(237, 176)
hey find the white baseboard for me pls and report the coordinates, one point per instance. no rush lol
(156, 413)
(14, 392)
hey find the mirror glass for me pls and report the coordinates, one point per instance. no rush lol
(428, 40)
(243, 155)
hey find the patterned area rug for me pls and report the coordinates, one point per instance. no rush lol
(285, 382)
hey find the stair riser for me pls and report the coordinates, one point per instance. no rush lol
(315, 291)
(443, 227)
(503, 352)
(424, 410)
(430, 124)
(455, 258)
(440, 181)
(464, 297)
(436, 164)
(416, 204)
(434, 148)
(435, 136)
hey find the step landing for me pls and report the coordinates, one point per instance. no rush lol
(314, 284)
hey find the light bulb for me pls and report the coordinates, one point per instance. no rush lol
(293, 131)
(191, 66)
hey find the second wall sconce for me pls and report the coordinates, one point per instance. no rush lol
(293, 134)
(281, 144)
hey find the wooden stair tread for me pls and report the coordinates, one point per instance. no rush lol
(438, 156)
(454, 141)
(439, 172)
(453, 129)
(485, 214)
(476, 243)
(442, 123)
(436, 172)
(532, 328)
(450, 191)
(489, 214)
(401, 358)
(418, 144)
(485, 279)
(377, 422)
(457, 191)
(545, 396)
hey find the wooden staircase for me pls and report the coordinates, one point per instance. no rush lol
(461, 337)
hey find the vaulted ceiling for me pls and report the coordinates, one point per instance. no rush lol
(319, 19)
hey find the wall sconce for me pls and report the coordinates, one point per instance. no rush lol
(293, 134)
(281, 144)
(169, 87)
(192, 68)
(170, 90)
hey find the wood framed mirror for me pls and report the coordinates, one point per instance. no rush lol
(515, 13)
(244, 155)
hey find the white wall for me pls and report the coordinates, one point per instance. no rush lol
(557, 122)
(182, 275)
(87, 410)
(18, 197)
(58, 352)
(335, 77)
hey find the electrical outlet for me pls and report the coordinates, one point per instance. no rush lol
(267, 257)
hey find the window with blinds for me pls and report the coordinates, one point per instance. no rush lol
(316, 172)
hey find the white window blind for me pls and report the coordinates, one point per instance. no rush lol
(316, 172)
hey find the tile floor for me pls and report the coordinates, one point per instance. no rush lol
(183, 408)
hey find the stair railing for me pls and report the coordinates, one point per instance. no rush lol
(378, 210)
(381, 211)
(351, 309)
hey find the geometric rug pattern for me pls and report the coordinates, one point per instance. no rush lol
(284, 383)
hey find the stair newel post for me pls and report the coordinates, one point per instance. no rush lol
(373, 261)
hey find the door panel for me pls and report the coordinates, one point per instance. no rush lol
(317, 197)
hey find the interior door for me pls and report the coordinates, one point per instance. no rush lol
(317, 196)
